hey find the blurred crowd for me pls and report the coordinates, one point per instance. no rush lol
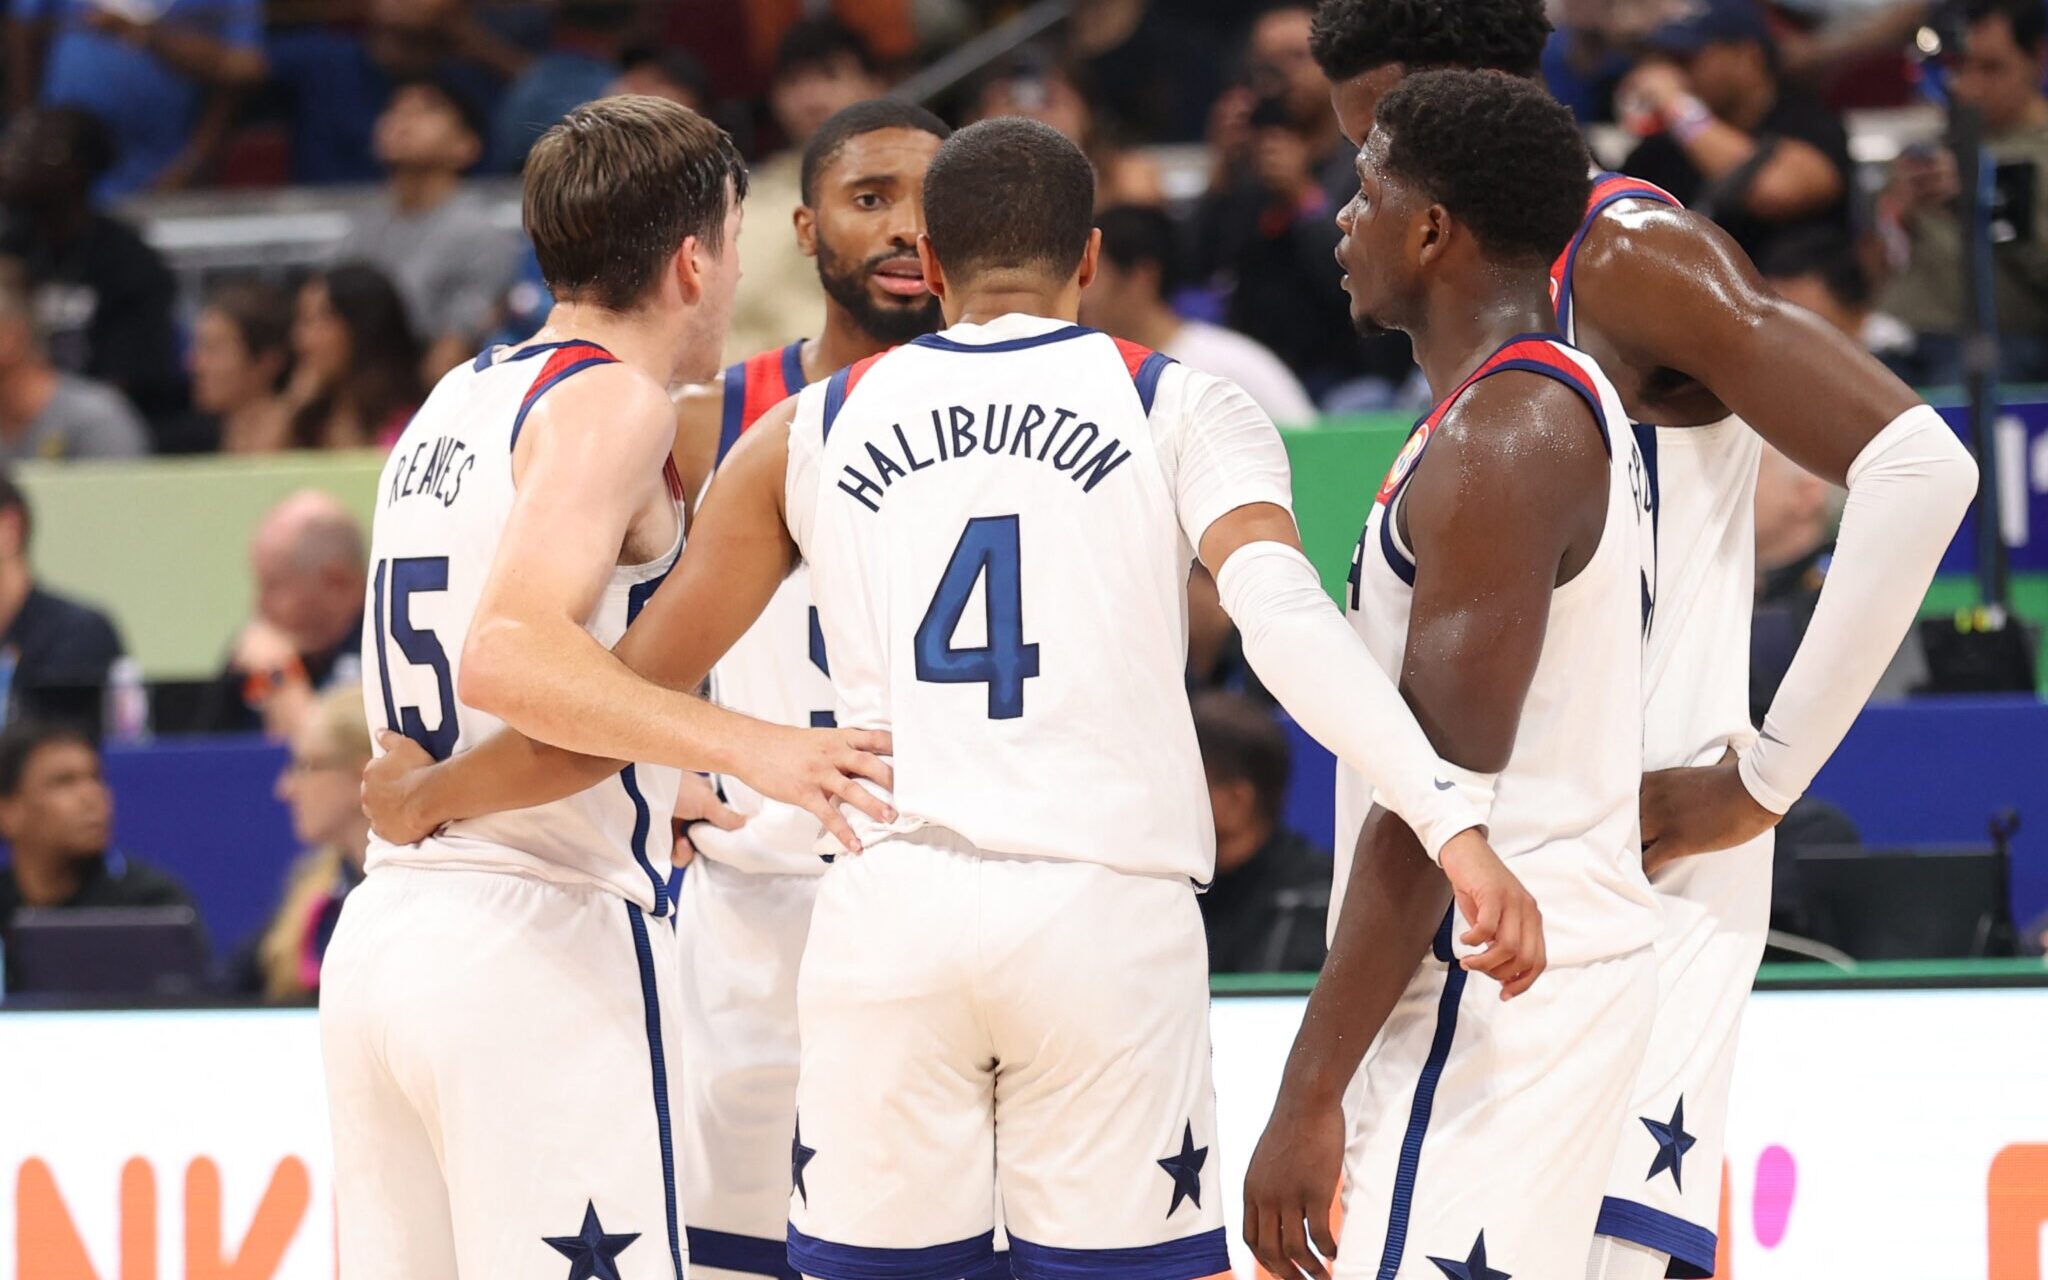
(1220, 167)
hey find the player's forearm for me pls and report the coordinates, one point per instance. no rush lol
(1908, 490)
(1304, 653)
(554, 683)
(1392, 908)
(506, 771)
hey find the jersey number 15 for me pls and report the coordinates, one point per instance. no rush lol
(420, 647)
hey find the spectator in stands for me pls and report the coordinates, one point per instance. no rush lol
(356, 364)
(335, 79)
(580, 64)
(45, 413)
(436, 242)
(1819, 270)
(58, 653)
(1264, 912)
(1033, 85)
(1128, 298)
(821, 67)
(1147, 71)
(663, 73)
(241, 352)
(1266, 230)
(2000, 71)
(1728, 136)
(164, 77)
(308, 559)
(103, 298)
(321, 785)
(57, 816)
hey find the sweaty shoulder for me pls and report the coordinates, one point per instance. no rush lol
(1638, 250)
(1529, 430)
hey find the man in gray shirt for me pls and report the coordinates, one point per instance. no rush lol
(48, 414)
(438, 244)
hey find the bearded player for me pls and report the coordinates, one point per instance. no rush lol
(1679, 319)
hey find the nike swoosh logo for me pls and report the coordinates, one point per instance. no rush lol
(1441, 785)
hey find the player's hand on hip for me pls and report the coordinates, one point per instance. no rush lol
(1290, 1186)
(818, 770)
(390, 785)
(1698, 810)
(1506, 924)
(698, 801)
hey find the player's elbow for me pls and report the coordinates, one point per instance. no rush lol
(488, 679)
(1953, 479)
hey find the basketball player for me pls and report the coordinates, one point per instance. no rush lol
(497, 1008)
(1675, 313)
(1503, 574)
(745, 904)
(999, 519)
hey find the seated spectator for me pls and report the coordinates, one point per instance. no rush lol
(821, 67)
(103, 297)
(355, 362)
(241, 351)
(1128, 299)
(580, 64)
(663, 73)
(46, 414)
(57, 816)
(438, 244)
(62, 651)
(164, 77)
(334, 79)
(1146, 70)
(322, 786)
(1728, 136)
(1999, 71)
(308, 559)
(1266, 229)
(1264, 913)
(1031, 84)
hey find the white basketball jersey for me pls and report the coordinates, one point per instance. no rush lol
(1703, 479)
(442, 503)
(1565, 812)
(1000, 521)
(777, 671)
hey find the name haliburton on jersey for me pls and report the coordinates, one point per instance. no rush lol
(957, 432)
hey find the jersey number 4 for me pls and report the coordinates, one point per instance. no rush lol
(421, 647)
(987, 549)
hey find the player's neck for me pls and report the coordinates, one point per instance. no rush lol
(1465, 327)
(841, 344)
(979, 306)
(653, 348)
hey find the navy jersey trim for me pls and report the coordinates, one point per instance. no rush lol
(793, 368)
(1190, 1258)
(939, 342)
(1692, 1248)
(533, 396)
(835, 400)
(1403, 567)
(629, 777)
(1586, 393)
(812, 1256)
(732, 413)
(749, 1255)
(484, 361)
(1425, 1099)
(650, 999)
(1147, 379)
(1571, 252)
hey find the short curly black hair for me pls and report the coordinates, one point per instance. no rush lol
(1501, 154)
(1352, 37)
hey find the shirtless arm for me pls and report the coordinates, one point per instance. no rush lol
(1495, 511)
(1829, 406)
(629, 703)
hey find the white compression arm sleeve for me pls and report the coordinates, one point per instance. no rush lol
(1908, 490)
(1305, 653)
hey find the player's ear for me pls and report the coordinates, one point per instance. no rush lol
(1432, 234)
(1091, 258)
(934, 274)
(806, 222)
(688, 269)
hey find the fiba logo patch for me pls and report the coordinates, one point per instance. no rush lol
(1404, 461)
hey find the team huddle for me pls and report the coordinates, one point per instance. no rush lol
(931, 1002)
